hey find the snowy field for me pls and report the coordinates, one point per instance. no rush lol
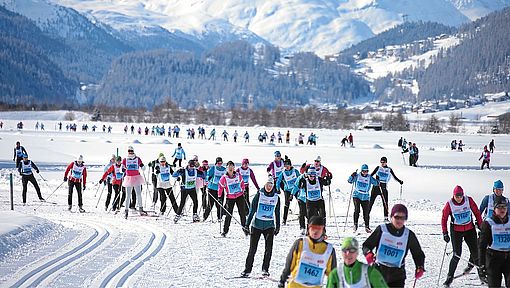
(48, 246)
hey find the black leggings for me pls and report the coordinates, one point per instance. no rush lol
(213, 201)
(364, 204)
(24, 180)
(175, 161)
(376, 191)
(193, 195)
(316, 208)
(302, 214)
(254, 241)
(109, 194)
(498, 265)
(70, 195)
(240, 203)
(286, 208)
(471, 240)
(163, 193)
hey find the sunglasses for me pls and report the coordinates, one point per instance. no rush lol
(399, 217)
(382, 162)
(350, 250)
(502, 207)
(130, 151)
(162, 161)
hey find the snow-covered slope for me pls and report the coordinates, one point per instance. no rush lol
(324, 27)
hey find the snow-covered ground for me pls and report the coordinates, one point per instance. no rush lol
(50, 247)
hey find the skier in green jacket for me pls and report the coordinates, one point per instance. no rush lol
(353, 272)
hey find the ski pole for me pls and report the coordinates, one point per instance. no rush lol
(400, 192)
(442, 262)
(35, 209)
(414, 285)
(97, 190)
(332, 208)
(176, 197)
(146, 191)
(466, 260)
(349, 205)
(100, 195)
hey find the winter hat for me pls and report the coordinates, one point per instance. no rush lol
(113, 156)
(218, 159)
(245, 161)
(498, 185)
(384, 159)
(118, 158)
(399, 208)
(350, 243)
(130, 148)
(161, 154)
(162, 158)
(270, 179)
(364, 167)
(287, 161)
(458, 191)
(311, 171)
(195, 157)
(277, 154)
(80, 158)
(318, 159)
(205, 162)
(179, 144)
(317, 221)
(500, 200)
(231, 163)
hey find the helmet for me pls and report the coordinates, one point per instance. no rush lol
(364, 167)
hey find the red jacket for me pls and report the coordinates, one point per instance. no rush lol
(111, 170)
(325, 172)
(73, 179)
(447, 212)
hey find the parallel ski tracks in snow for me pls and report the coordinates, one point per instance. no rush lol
(37, 275)
(118, 276)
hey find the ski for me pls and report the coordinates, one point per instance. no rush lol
(256, 277)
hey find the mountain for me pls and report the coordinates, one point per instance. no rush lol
(231, 75)
(320, 26)
(27, 74)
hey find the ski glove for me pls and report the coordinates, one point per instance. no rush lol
(276, 231)
(101, 181)
(401, 182)
(37, 171)
(246, 230)
(353, 174)
(281, 285)
(446, 237)
(291, 197)
(84, 188)
(419, 272)
(65, 179)
(370, 258)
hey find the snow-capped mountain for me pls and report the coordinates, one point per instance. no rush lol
(322, 26)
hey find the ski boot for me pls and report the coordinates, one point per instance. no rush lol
(245, 274)
(448, 281)
(386, 220)
(265, 273)
(106, 209)
(126, 212)
(223, 234)
(368, 230)
(354, 228)
(176, 219)
(196, 218)
(142, 212)
(24, 204)
(303, 232)
(70, 207)
(81, 210)
(468, 269)
(42, 199)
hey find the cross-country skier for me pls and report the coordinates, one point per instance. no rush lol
(276, 166)
(225, 135)
(287, 182)
(154, 178)
(491, 146)
(117, 173)
(212, 134)
(235, 136)
(76, 173)
(321, 170)
(265, 213)
(247, 174)
(133, 180)
(188, 177)
(108, 182)
(353, 273)
(485, 157)
(233, 185)
(163, 172)
(310, 258)
(246, 137)
(213, 177)
(360, 197)
(204, 168)
(494, 245)
(18, 153)
(487, 204)
(312, 186)
(25, 170)
(300, 195)
(391, 242)
(383, 174)
(179, 155)
(460, 209)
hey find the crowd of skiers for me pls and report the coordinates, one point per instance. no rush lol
(311, 257)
